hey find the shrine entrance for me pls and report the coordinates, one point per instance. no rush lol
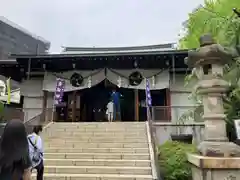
(90, 104)
(95, 99)
(94, 103)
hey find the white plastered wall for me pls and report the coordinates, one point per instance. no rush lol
(180, 101)
(33, 98)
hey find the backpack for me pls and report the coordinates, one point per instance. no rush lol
(36, 156)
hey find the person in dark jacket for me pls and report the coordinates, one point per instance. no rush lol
(15, 163)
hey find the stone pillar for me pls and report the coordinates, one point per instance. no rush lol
(209, 60)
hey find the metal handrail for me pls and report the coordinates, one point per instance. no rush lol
(39, 119)
(153, 147)
(173, 113)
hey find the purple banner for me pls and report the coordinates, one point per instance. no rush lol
(59, 91)
(148, 94)
(148, 100)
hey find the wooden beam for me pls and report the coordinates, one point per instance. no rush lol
(74, 96)
(78, 106)
(136, 100)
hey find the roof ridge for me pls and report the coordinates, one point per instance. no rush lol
(156, 46)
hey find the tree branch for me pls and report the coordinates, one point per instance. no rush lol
(236, 12)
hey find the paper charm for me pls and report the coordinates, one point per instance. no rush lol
(89, 83)
(119, 81)
(153, 82)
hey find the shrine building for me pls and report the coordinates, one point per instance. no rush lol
(99, 71)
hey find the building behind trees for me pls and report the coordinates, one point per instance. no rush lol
(16, 40)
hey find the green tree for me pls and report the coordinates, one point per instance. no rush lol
(217, 18)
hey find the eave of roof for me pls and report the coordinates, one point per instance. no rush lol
(8, 61)
(46, 56)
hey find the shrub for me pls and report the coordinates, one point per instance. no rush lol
(173, 160)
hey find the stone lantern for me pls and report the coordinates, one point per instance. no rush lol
(209, 60)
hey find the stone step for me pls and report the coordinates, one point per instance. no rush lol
(98, 170)
(93, 140)
(97, 145)
(97, 130)
(109, 128)
(48, 176)
(97, 124)
(93, 136)
(126, 156)
(88, 134)
(97, 162)
(89, 138)
(77, 134)
(96, 150)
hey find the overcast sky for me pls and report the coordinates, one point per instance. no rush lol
(100, 22)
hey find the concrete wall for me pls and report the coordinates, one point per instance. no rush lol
(15, 41)
(180, 101)
(164, 131)
(33, 98)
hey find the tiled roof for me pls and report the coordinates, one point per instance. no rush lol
(131, 49)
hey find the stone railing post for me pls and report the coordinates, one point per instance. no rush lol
(217, 153)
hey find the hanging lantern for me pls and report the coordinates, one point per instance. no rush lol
(153, 81)
(119, 81)
(89, 82)
(135, 78)
(76, 80)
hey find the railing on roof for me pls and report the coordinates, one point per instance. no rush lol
(174, 113)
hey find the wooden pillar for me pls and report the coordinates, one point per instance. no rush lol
(80, 115)
(74, 96)
(168, 91)
(168, 104)
(44, 106)
(136, 100)
(78, 107)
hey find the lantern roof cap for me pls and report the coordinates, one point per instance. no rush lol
(209, 52)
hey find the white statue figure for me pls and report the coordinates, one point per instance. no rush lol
(2, 88)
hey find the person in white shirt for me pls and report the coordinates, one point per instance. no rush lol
(36, 145)
(110, 110)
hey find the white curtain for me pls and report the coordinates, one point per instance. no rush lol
(94, 76)
(159, 79)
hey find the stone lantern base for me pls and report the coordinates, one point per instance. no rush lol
(219, 149)
(214, 168)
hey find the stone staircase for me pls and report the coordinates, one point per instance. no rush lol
(97, 151)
